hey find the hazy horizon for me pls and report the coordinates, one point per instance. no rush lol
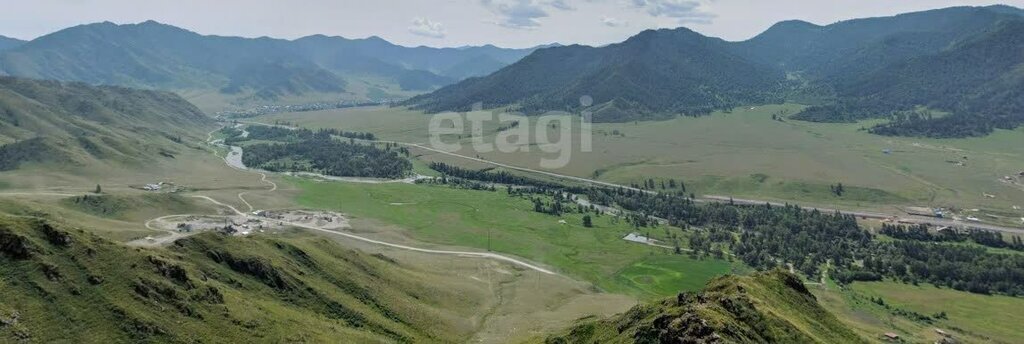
(504, 23)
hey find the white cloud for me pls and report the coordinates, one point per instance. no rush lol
(685, 11)
(516, 14)
(612, 22)
(427, 28)
(562, 5)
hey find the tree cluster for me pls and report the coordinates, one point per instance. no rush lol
(275, 133)
(921, 233)
(488, 175)
(330, 157)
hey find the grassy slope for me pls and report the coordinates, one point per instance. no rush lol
(72, 285)
(455, 217)
(123, 207)
(981, 317)
(747, 154)
(74, 124)
(770, 307)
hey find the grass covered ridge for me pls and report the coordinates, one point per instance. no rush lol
(72, 285)
(120, 206)
(768, 307)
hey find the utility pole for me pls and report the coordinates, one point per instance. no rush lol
(488, 239)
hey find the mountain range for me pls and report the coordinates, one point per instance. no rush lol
(852, 69)
(158, 56)
(848, 71)
(851, 47)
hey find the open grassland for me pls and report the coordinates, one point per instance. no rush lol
(993, 317)
(969, 317)
(386, 123)
(745, 153)
(670, 274)
(482, 219)
(121, 213)
(509, 302)
(359, 89)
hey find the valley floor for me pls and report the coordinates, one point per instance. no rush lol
(549, 270)
(516, 298)
(747, 154)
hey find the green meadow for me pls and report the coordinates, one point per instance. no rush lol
(482, 219)
(988, 317)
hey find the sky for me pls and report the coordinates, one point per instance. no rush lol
(449, 23)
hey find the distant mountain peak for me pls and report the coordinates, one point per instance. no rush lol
(676, 34)
(794, 24)
(9, 43)
(376, 39)
(1005, 9)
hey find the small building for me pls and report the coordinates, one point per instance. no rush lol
(924, 211)
(634, 237)
(891, 336)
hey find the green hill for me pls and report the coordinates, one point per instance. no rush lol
(656, 73)
(74, 123)
(769, 307)
(70, 285)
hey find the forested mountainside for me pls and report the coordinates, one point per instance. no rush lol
(979, 81)
(849, 48)
(657, 73)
